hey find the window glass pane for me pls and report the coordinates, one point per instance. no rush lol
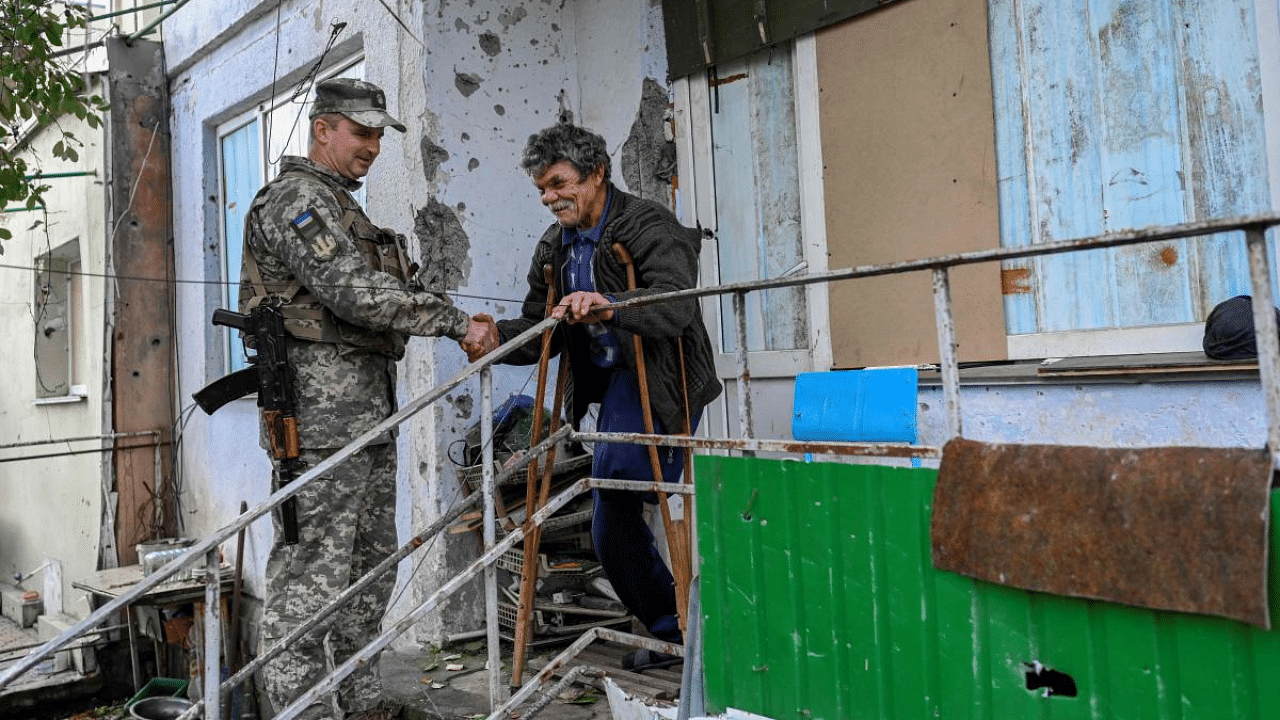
(241, 179)
(54, 320)
(757, 186)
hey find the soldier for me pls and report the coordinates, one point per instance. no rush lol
(350, 300)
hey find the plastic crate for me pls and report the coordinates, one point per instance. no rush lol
(507, 619)
(513, 561)
(557, 623)
(159, 687)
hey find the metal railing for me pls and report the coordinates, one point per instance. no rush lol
(1253, 228)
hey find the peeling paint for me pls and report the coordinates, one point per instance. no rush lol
(467, 83)
(648, 156)
(1079, 124)
(432, 157)
(566, 112)
(512, 16)
(473, 163)
(445, 247)
(463, 405)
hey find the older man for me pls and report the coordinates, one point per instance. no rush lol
(350, 300)
(570, 169)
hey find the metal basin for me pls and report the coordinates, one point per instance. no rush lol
(159, 708)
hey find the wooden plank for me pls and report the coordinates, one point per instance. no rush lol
(141, 343)
(1114, 115)
(1163, 362)
(909, 157)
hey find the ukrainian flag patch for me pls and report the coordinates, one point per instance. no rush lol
(311, 228)
(308, 225)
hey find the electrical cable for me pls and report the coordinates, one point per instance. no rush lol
(183, 281)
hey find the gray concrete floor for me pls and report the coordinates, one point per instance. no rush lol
(42, 684)
(429, 690)
(452, 683)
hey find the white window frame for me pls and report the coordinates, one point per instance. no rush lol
(273, 142)
(693, 97)
(67, 258)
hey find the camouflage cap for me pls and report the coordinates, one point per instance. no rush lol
(360, 101)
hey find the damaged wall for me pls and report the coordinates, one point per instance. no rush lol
(493, 75)
(141, 324)
(471, 80)
(1103, 414)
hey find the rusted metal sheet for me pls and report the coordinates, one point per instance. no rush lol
(1181, 529)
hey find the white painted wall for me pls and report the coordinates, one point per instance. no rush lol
(596, 53)
(1190, 414)
(51, 507)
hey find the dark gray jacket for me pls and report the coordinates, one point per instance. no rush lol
(665, 254)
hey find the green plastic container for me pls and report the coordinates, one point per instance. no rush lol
(159, 687)
(820, 602)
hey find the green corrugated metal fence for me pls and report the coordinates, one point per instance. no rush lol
(820, 601)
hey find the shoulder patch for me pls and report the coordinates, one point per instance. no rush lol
(308, 224)
(313, 231)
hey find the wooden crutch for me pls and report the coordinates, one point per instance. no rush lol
(677, 530)
(535, 495)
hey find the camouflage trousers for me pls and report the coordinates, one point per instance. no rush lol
(346, 526)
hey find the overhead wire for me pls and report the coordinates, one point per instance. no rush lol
(184, 281)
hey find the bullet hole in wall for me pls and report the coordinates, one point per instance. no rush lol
(490, 43)
(467, 83)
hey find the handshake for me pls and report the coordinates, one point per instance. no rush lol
(577, 307)
(481, 338)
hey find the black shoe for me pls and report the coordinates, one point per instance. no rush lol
(644, 659)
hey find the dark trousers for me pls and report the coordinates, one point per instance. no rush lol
(623, 541)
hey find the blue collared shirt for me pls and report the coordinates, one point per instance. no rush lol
(579, 275)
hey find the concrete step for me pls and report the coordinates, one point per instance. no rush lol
(68, 674)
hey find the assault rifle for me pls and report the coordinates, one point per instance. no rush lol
(269, 375)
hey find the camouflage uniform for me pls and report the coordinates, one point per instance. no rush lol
(350, 310)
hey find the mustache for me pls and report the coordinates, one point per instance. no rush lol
(561, 205)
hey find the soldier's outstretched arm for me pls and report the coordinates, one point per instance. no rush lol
(305, 233)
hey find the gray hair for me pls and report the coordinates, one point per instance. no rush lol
(578, 146)
(330, 119)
